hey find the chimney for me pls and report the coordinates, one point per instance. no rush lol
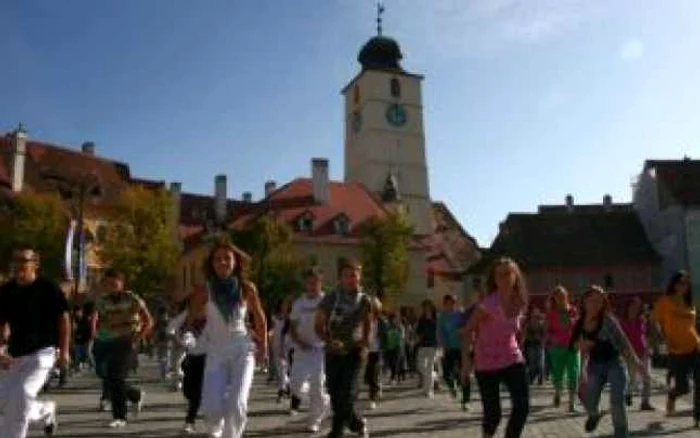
(247, 197)
(607, 202)
(19, 156)
(320, 180)
(220, 199)
(175, 195)
(570, 202)
(270, 186)
(88, 148)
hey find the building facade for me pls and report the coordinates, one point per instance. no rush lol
(576, 246)
(667, 200)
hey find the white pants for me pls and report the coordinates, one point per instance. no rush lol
(309, 367)
(425, 358)
(228, 377)
(19, 387)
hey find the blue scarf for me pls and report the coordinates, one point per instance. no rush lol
(226, 295)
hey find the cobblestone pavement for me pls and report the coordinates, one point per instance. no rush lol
(402, 413)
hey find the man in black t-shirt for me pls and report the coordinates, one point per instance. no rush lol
(36, 312)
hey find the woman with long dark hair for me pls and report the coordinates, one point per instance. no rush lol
(494, 328)
(676, 317)
(231, 346)
(602, 342)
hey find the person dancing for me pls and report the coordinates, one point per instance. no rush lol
(309, 358)
(231, 346)
(561, 319)
(343, 321)
(676, 317)
(188, 327)
(493, 327)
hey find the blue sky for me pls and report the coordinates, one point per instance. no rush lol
(525, 100)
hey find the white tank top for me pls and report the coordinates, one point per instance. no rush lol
(218, 330)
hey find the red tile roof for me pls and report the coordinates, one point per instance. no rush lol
(679, 178)
(294, 199)
(45, 162)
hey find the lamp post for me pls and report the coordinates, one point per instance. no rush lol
(78, 191)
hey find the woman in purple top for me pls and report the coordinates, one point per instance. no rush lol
(493, 330)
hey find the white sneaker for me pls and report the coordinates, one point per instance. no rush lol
(314, 428)
(189, 428)
(372, 406)
(117, 424)
(430, 394)
(293, 412)
(139, 404)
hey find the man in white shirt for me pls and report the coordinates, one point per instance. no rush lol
(309, 359)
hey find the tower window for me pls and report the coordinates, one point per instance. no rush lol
(341, 225)
(395, 88)
(356, 95)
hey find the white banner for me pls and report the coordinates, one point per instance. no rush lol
(69, 250)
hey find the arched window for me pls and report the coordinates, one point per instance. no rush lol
(395, 88)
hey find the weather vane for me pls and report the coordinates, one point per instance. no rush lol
(380, 11)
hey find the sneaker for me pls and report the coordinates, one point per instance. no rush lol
(139, 404)
(670, 406)
(592, 422)
(189, 428)
(465, 407)
(104, 405)
(313, 428)
(557, 400)
(50, 417)
(646, 406)
(628, 399)
(430, 394)
(117, 424)
(372, 405)
(293, 412)
(50, 429)
(360, 428)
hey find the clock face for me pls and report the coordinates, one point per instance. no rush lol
(356, 121)
(396, 115)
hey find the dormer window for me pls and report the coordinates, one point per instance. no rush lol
(305, 223)
(341, 225)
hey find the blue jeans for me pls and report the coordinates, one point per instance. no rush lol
(534, 353)
(613, 372)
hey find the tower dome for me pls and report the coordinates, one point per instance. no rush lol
(380, 53)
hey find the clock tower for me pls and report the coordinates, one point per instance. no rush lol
(384, 134)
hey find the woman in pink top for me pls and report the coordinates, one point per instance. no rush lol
(493, 330)
(635, 327)
(561, 319)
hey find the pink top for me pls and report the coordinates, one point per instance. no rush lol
(636, 331)
(559, 331)
(497, 344)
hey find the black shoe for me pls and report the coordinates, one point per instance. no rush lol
(359, 426)
(557, 400)
(592, 422)
(628, 399)
(50, 429)
(646, 406)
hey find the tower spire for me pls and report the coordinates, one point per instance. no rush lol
(380, 12)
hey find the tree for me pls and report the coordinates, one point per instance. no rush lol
(275, 263)
(140, 241)
(385, 255)
(39, 220)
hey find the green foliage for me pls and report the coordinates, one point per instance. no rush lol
(275, 264)
(140, 241)
(385, 255)
(39, 220)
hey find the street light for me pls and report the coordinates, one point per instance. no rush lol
(77, 190)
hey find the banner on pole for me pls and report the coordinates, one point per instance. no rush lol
(69, 250)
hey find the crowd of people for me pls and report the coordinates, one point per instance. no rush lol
(323, 344)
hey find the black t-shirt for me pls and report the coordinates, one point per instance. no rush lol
(32, 312)
(426, 330)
